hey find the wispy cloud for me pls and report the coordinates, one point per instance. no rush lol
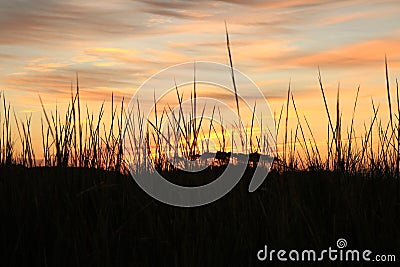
(84, 58)
(6, 56)
(363, 54)
(54, 21)
(40, 66)
(116, 45)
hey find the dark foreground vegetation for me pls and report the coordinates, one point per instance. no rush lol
(89, 217)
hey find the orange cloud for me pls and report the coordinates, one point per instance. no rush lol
(84, 58)
(116, 54)
(110, 51)
(45, 67)
(105, 64)
(344, 18)
(280, 4)
(360, 54)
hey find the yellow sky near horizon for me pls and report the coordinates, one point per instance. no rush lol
(115, 46)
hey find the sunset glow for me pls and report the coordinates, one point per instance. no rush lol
(114, 46)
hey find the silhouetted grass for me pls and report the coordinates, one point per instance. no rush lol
(79, 205)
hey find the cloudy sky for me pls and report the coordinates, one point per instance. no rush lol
(115, 46)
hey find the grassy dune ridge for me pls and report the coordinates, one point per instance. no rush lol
(90, 217)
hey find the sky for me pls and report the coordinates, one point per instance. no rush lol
(114, 46)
